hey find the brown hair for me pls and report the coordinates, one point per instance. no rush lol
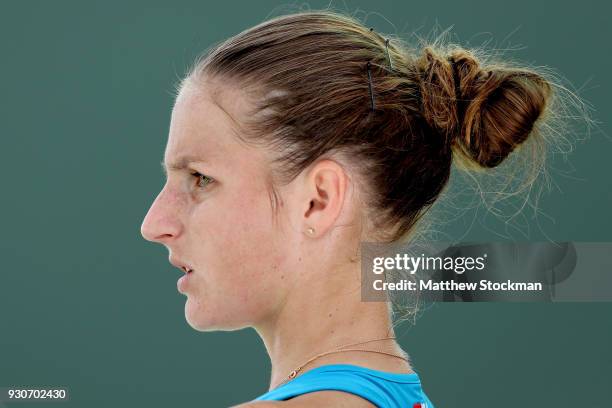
(307, 78)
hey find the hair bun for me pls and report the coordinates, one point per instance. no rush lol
(483, 113)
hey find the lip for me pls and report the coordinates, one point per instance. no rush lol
(182, 283)
(181, 265)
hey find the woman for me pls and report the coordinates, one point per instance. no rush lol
(291, 143)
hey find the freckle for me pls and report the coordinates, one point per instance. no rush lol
(300, 259)
(282, 276)
(332, 332)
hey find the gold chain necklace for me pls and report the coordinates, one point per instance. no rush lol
(340, 349)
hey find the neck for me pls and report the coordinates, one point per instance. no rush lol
(327, 315)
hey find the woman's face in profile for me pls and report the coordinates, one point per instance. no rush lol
(214, 215)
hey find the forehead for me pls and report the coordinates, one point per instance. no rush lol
(204, 124)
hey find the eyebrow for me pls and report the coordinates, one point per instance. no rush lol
(181, 163)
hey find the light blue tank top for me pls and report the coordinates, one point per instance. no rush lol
(383, 389)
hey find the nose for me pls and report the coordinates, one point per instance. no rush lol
(161, 224)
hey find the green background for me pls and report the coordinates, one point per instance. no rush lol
(86, 303)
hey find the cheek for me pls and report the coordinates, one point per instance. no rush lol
(242, 254)
(249, 243)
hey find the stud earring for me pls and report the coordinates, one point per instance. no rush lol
(310, 230)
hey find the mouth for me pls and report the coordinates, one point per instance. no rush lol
(186, 269)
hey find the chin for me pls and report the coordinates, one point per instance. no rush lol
(204, 319)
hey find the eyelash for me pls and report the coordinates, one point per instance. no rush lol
(199, 176)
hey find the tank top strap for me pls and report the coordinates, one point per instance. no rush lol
(381, 388)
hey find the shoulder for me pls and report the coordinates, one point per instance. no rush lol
(332, 399)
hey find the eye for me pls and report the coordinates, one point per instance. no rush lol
(202, 180)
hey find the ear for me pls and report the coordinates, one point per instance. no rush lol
(324, 193)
